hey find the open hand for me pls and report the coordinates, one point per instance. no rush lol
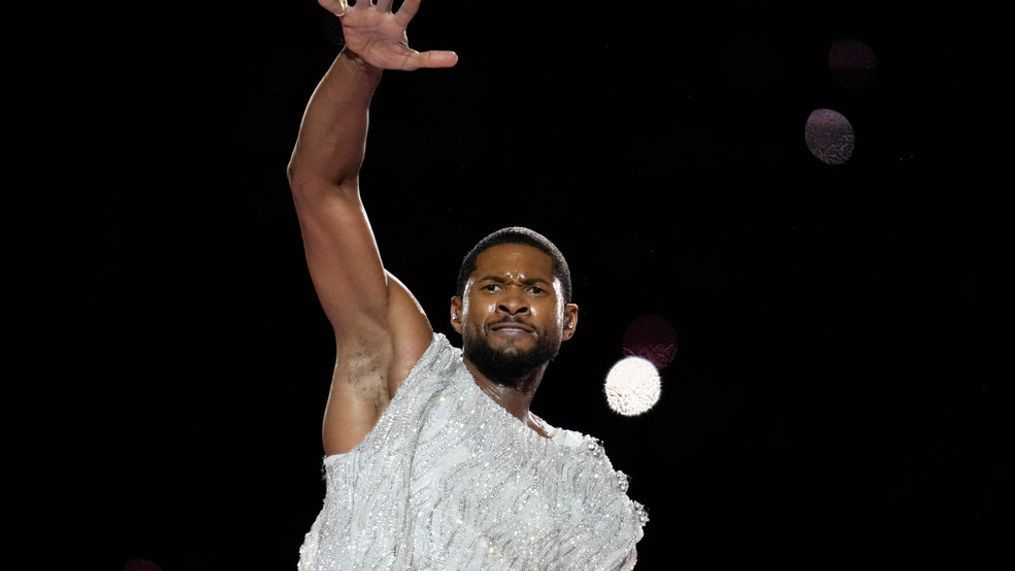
(377, 35)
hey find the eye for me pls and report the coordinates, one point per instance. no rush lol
(539, 289)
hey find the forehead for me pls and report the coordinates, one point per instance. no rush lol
(519, 261)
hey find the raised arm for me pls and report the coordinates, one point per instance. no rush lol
(379, 327)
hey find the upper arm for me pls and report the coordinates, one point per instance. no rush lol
(366, 379)
(344, 261)
(380, 328)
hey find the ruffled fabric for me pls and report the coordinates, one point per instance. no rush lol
(449, 479)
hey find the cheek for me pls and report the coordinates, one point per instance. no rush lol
(548, 317)
(481, 309)
(550, 311)
(477, 313)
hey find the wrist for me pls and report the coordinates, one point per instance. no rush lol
(358, 62)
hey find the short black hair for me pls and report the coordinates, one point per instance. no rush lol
(517, 235)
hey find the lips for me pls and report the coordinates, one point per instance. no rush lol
(511, 325)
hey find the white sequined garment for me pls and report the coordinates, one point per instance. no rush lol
(448, 479)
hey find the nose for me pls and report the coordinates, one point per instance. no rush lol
(513, 303)
(513, 308)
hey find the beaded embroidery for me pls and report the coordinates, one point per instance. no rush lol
(449, 479)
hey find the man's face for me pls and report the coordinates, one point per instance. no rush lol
(513, 285)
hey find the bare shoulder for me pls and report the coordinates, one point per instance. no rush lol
(368, 374)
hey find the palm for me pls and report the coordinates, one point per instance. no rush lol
(377, 35)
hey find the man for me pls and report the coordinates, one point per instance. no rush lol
(433, 459)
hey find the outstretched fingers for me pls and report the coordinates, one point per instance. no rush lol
(406, 12)
(336, 7)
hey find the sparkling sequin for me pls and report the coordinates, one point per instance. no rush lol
(622, 481)
(448, 479)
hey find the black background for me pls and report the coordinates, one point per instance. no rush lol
(841, 398)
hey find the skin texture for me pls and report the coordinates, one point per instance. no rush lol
(510, 365)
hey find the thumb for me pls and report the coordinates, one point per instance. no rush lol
(437, 58)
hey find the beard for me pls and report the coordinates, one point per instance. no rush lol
(510, 364)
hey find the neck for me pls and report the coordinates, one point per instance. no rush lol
(515, 396)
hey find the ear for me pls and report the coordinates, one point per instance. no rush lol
(570, 320)
(456, 314)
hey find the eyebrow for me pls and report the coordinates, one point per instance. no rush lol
(501, 280)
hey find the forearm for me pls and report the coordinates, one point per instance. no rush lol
(332, 137)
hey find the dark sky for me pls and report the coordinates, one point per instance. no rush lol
(841, 396)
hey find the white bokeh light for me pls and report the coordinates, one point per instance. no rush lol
(632, 386)
(829, 136)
